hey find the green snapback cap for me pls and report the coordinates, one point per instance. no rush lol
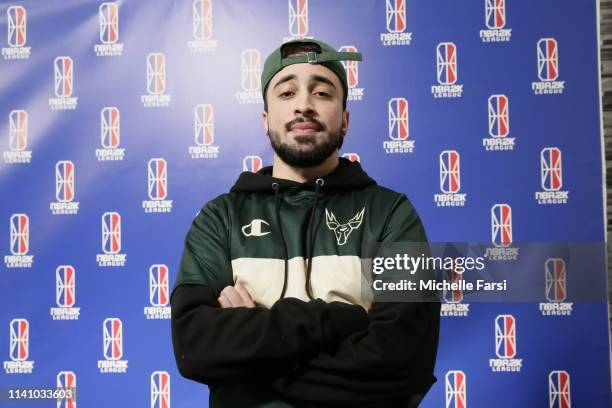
(328, 57)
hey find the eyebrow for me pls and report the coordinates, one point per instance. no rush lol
(315, 78)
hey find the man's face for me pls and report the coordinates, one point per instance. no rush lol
(305, 120)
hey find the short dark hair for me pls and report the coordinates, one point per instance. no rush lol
(291, 49)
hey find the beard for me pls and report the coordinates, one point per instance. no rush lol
(316, 153)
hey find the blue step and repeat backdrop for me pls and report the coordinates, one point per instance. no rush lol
(119, 120)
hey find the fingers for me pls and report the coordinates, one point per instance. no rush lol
(224, 302)
(232, 295)
(246, 298)
(235, 296)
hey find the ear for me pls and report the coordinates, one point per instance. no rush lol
(345, 122)
(264, 117)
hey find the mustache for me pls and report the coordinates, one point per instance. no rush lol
(319, 125)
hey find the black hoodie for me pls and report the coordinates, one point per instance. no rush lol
(297, 248)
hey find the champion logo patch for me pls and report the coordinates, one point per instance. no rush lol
(256, 228)
(343, 231)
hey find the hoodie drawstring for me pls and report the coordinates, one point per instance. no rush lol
(311, 236)
(276, 188)
(311, 232)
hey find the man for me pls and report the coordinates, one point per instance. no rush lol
(268, 308)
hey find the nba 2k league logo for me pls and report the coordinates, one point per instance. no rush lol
(18, 138)
(298, 20)
(495, 19)
(157, 174)
(398, 128)
(202, 27)
(250, 61)
(204, 133)
(501, 234)
(16, 17)
(450, 181)
(453, 298)
(446, 62)
(156, 82)
(67, 381)
(108, 16)
(556, 289)
(252, 164)
(499, 124)
(63, 72)
(158, 293)
(559, 395)
(111, 241)
(160, 389)
(65, 294)
(395, 12)
(505, 346)
(112, 347)
(20, 243)
(19, 338)
(352, 75)
(64, 189)
(548, 68)
(551, 175)
(456, 396)
(110, 135)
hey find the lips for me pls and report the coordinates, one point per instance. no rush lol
(305, 127)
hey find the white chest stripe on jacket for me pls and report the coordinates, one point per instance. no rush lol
(333, 278)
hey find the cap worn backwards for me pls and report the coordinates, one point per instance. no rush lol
(328, 57)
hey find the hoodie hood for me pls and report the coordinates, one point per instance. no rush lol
(347, 175)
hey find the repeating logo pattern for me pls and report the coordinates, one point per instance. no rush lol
(110, 135)
(156, 82)
(204, 133)
(250, 64)
(450, 180)
(202, 27)
(160, 389)
(112, 336)
(505, 345)
(555, 276)
(559, 395)
(398, 127)
(551, 176)
(65, 294)
(159, 294)
(67, 381)
(448, 72)
(395, 11)
(456, 396)
(19, 339)
(548, 68)
(19, 243)
(18, 138)
(499, 124)
(64, 189)
(16, 17)
(252, 164)
(63, 73)
(157, 174)
(495, 20)
(108, 17)
(111, 241)
(352, 75)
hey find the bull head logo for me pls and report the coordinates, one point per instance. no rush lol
(342, 231)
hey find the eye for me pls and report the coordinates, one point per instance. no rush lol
(286, 94)
(322, 94)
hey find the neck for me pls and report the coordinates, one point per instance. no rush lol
(282, 170)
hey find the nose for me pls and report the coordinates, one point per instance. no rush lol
(304, 104)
